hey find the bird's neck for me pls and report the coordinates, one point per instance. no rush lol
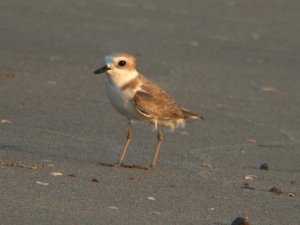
(121, 78)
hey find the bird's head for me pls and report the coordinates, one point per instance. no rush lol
(118, 63)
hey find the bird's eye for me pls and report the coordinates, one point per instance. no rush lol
(122, 63)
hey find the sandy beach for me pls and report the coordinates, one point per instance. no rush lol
(234, 62)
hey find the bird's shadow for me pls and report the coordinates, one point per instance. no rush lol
(133, 166)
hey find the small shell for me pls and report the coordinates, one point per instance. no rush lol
(4, 121)
(151, 198)
(250, 177)
(41, 183)
(269, 89)
(55, 174)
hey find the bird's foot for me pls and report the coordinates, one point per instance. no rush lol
(151, 167)
(118, 164)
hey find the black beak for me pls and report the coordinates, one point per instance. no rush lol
(102, 69)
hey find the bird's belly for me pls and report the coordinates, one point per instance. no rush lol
(121, 101)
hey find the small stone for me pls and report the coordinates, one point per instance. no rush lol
(95, 180)
(293, 182)
(291, 195)
(253, 141)
(264, 166)
(240, 221)
(247, 186)
(151, 198)
(276, 190)
(72, 175)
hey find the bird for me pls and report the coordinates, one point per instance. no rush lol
(139, 99)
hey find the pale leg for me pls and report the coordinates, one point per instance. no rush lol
(159, 140)
(129, 135)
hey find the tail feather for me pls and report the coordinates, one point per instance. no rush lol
(187, 114)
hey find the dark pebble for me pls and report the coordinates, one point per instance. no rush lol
(293, 182)
(71, 175)
(240, 221)
(276, 190)
(264, 166)
(95, 180)
(247, 186)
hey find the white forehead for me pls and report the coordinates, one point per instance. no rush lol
(108, 59)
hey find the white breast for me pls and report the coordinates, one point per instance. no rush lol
(121, 101)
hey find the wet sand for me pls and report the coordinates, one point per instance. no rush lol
(234, 62)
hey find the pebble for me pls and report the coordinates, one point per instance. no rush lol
(276, 190)
(240, 221)
(264, 166)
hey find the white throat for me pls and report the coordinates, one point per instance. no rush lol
(120, 77)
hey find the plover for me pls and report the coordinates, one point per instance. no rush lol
(137, 98)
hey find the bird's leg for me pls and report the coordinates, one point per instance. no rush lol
(129, 135)
(160, 137)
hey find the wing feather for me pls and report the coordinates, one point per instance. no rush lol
(154, 102)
